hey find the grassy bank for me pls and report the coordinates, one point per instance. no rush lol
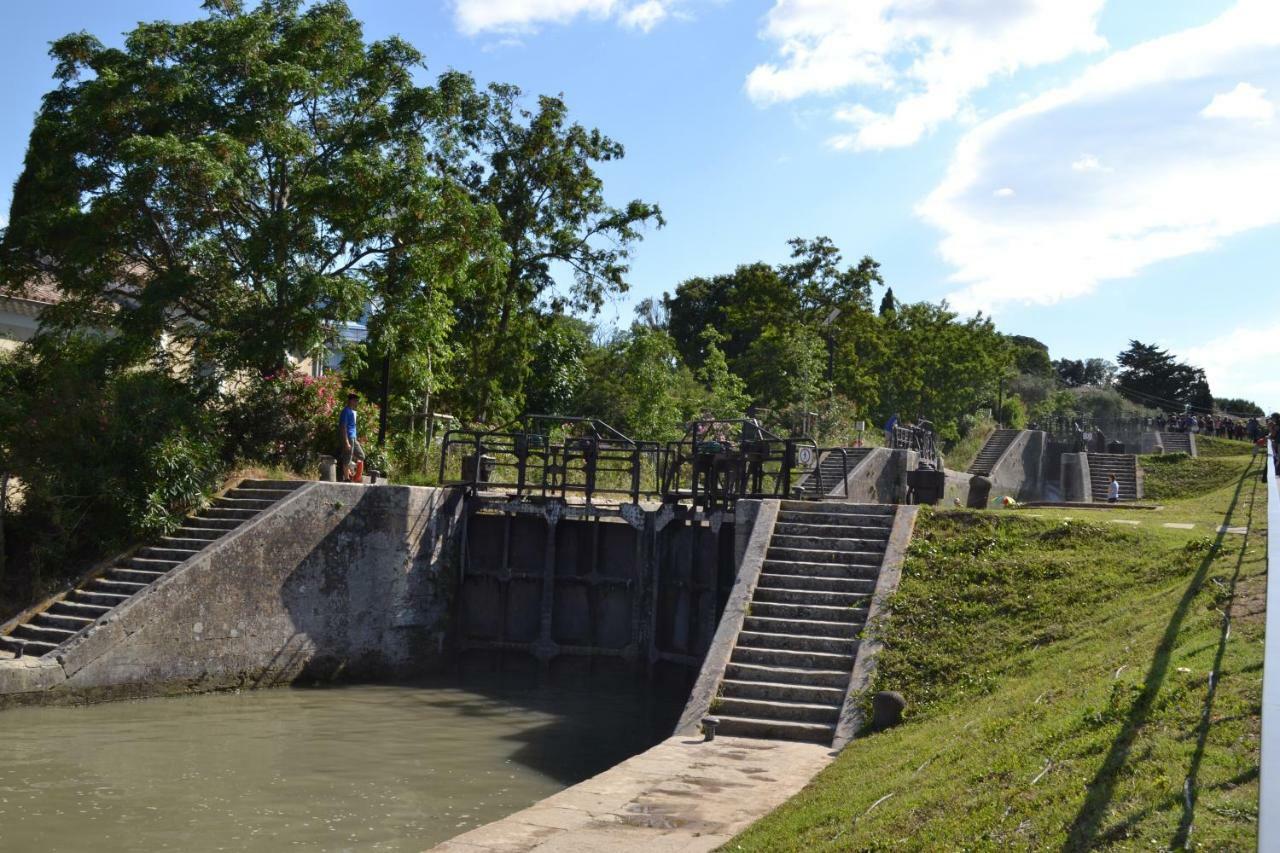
(1075, 684)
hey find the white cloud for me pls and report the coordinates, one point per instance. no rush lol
(922, 57)
(1241, 363)
(645, 16)
(1177, 185)
(1243, 103)
(1088, 163)
(1004, 192)
(474, 17)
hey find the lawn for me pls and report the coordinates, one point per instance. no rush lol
(1075, 683)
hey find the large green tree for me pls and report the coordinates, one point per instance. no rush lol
(537, 169)
(244, 183)
(1150, 376)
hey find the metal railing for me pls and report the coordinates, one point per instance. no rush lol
(1269, 773)
(920, 438)
(530, 461)
(717, 462)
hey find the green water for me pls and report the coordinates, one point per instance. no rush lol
(354, 768)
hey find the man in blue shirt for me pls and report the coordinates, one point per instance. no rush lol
(351, 449)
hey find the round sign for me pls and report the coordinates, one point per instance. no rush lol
(806, 456)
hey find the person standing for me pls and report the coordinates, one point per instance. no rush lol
(1113, 490)
(348, 431)
(889, 426)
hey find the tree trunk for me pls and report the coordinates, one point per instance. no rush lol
(386, 395)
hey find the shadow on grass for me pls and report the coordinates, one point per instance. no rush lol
(1083, 834)
(1202, 733)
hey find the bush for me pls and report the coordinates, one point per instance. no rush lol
(290, 419)
(103, 458)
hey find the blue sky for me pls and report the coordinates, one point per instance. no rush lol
(1088, 171)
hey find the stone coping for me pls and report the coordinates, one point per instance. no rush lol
(682, 795)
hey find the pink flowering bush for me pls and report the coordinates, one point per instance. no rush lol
(290, 419)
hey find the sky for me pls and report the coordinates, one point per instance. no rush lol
(1085, 171)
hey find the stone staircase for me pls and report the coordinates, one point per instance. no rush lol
(1175, 442)
(790, 667)
(830, 474)
(65, 616)
(991, 452)
(1123, 465)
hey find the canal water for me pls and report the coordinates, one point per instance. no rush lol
(335, 769)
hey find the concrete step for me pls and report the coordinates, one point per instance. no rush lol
(119, 587)
(776, 729)
(835, 520)
(829, 570)
(816, 582)
(105, 599)
(809, 612)
(809, 627)
(813, 555)
(42, 633)
(817, 543)
(29, 648)
(186, 543)
(832, 531)
(790, 658)
(139, 576)
(837, 508)
(61, 620)
(835, 679)
(796, 642)
(771, 709)
(275, 485)
(190, 532)
(260, 494)
(223, 513)
(782, 692)
(811, 597)
(176, 554)
(207, 523)
(256, 504)
(149, 564)
(87, 610)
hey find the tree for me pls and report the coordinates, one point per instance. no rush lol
(1150, 376)
(1030, 356)
(241, 184)
(888, 304)
(724, 393)
(1238, 406)
(537, 170)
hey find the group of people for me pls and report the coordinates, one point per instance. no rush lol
(1217, 426)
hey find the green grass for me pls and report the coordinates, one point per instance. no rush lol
(1208, 447)
(1059, 679)
(1174, 476)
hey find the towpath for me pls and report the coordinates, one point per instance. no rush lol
(681, 795)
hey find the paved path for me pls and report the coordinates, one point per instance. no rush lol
(682, 795)
(1172, 525)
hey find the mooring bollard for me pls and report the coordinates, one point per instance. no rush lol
(709, 725)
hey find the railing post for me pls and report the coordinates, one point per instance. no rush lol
(1269, 772)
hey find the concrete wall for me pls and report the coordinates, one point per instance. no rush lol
(1020, 471)
(756, 519)
(956, 489)
(881, 477)
(336, 581)
(1077, 484)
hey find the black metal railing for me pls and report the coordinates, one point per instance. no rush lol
(552, 457)
(717, 462)
(921, 438)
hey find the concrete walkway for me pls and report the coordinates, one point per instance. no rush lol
(682, 795)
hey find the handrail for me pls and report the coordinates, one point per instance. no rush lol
(1269, 772)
